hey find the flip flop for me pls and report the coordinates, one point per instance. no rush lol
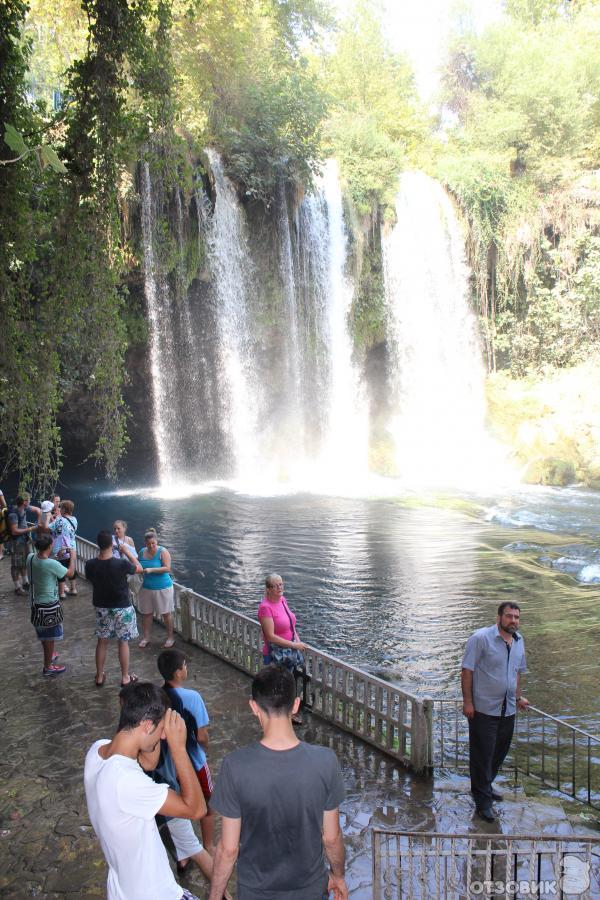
(100, 683)
(143, 644)
(132, 680)
(168, 644)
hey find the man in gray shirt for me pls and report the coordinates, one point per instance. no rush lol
(491, 672)
(279, 804)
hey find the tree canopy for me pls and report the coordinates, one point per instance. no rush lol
(519, 155)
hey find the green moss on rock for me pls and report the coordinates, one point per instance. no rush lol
(551, 471)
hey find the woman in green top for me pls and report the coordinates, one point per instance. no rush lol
(44, 574)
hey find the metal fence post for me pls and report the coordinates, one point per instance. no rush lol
(376, 864)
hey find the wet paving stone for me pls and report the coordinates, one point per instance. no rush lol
(47, 846)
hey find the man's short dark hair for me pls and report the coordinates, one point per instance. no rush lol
(169, 661)
(43, 541)
(274, 690)
(104, 539)
(141, 700)
(508, 604)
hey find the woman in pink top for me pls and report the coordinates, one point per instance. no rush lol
(276, 619)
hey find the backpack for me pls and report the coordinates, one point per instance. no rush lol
(5, 534)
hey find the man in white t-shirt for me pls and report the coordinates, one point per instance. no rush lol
(123, 801)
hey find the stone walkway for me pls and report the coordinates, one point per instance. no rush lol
(47, 846)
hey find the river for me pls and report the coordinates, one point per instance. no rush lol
(394, 584)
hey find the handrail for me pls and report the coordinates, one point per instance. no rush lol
(562, 722)
(396, 722)
(536, 752)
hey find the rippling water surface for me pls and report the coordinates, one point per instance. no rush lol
(396, 585)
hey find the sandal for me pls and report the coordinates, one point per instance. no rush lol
(132, 680)
(100, 683)
(143, 644)
(168, 644)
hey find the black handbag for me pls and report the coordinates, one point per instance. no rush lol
(43, 615)
(288, 657)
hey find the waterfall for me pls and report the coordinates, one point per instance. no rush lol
(438, 376)
(162, 351)
(233, 274)
(345, 451)
(179, 362)
(251, 358)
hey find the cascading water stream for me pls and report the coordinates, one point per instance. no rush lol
(345, 450)
(251, 357)
(161, 344)
(233, 277)
(439, 430)
(177, 358)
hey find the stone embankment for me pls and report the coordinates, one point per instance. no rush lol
(47, 846)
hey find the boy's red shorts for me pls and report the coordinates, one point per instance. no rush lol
(206, 782)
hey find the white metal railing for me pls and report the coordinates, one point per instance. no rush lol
(559, 755)
(421, 865)
(394, 721)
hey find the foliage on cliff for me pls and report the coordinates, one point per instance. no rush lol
(520, 157)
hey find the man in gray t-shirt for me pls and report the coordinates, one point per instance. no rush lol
(279, 801)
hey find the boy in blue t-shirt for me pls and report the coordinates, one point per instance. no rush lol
(172, 665)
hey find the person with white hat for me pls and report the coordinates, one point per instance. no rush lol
(47, 508)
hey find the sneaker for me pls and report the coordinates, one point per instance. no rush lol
(54, 670)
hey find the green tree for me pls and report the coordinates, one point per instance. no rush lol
(526, 99)
(244, 84)
(29, 396)
(376, 124)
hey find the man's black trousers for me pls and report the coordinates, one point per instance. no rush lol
(489, 742)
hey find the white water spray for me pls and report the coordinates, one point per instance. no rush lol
(158, 307)
(233, 273)
(439, 430)
(345, 451)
